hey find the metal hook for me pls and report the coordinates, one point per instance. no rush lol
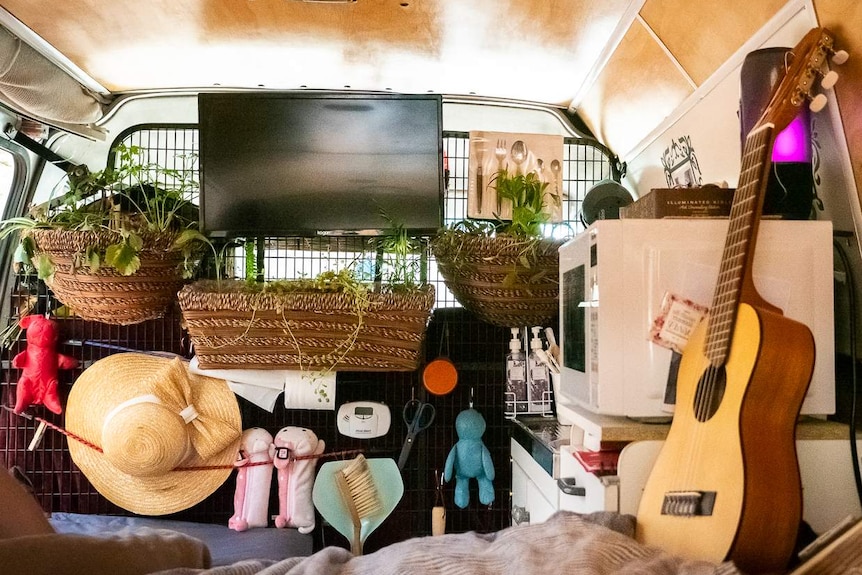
(471, 398)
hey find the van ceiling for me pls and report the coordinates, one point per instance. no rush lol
(623, 65)
(522, 49)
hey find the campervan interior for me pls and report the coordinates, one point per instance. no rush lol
(319, 152)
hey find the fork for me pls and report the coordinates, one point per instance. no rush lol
(500, 152)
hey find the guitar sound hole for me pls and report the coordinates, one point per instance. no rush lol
(710, 391)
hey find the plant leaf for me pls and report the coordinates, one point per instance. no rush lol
(510, 280)
(135, 241)
(123, 257)
(188, 236)
(94, 260)
(44, 268)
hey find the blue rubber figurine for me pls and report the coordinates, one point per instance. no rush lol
(470, 458)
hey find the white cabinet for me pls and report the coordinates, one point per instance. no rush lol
(535, 495)
(828, 485)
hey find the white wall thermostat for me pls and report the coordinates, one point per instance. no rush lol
(364, 419)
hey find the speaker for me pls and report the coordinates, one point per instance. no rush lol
(790, 187)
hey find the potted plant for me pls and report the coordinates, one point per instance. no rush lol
(334, 321)
(106, 247)
(505, 271)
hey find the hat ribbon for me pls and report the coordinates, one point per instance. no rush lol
(209, 435)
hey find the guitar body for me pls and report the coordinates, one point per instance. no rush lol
(740, 453)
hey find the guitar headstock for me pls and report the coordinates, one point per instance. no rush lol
(806, 66)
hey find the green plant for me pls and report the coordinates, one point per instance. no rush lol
(132, 199)
(527, 193)
(525, 243)
(403, 265)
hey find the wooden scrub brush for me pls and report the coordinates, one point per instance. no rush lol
(360, 496)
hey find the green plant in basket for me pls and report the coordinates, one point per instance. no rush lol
(401, 248)
(342, 281)
(526, 192)
(523, 234)
(505, 270)
(129, 204)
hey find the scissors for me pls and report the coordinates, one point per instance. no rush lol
(418, 415)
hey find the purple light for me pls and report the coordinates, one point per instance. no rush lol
(791, 145)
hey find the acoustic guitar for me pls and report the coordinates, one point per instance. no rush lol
(726, 484)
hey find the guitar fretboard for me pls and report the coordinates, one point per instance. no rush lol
(739, 243)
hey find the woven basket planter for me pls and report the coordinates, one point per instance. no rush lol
(105, 295)
(488, 277)
(233, 328)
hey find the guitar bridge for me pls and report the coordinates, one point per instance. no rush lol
(688, 503)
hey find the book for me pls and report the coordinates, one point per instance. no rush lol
(709, 201)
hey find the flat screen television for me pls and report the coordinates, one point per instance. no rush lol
(313, 163)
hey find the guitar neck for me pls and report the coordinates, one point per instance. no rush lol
(736, 260)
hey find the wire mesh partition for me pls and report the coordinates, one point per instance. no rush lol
(476, 348)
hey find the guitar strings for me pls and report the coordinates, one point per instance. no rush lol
(723, 315)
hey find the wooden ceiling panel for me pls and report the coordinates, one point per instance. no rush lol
(520, 49)
(703, 35)
(639, 87)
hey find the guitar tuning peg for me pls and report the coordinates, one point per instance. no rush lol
(840, 56)
(829, 80)
(817, 103)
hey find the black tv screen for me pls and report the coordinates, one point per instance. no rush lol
(311, 163)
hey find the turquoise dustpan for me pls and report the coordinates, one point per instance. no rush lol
(327, 499)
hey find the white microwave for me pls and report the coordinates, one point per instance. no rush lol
(614, 278)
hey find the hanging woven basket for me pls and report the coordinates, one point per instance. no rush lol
(105, 295)
(232, 327)
(503, 280)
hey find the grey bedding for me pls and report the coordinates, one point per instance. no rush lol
(226, 546)
(568, 543)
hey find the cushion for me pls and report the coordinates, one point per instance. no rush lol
(132, 553)
(20, 513)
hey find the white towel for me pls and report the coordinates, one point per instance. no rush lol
(302, 390)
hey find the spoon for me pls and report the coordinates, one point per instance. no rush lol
(556, 168)
(519, 154)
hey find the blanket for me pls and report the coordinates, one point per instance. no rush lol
(594, 544)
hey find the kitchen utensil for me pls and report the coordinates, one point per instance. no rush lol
(438, 512)
(418, 415)
(540, 170)
(325, 495)
(553, 348)
(519, 154)
(500, 152)
(480, 183)
(440, 375)
(556, 168)
(548, 360)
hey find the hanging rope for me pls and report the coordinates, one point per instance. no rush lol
(331, 455)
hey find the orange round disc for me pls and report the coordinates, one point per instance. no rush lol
(440, 376)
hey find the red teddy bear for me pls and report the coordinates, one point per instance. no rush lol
(40, 362)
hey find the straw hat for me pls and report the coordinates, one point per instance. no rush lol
(162, 439)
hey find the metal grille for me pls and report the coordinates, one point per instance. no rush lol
(476, 348)
(284, 258)
(174, 148)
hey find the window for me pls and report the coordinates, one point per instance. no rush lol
(289, 258)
